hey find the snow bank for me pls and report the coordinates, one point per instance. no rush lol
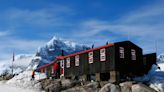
(23, 80)
(19, 65)
(4, 68)
(8, 88)
(155, 77)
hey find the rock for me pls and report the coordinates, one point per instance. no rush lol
(93, 85)
(53, 87)
(141, 88)
(126, 86)
(75, 89)
(66, 83)
(110, 88)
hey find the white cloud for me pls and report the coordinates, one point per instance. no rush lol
(144, 25)
(8, 45)
(44, 17)
(4, 33)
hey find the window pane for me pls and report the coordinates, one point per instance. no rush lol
(90, 57)
(68, 62)
(102, 54)
(133, 54)
(121, 50)
(77, 60)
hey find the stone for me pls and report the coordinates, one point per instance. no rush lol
(75, 89)
(126, 86)
(110, 88)
(141, 88)
(93, 85)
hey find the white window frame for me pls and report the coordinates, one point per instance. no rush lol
(133, 54)
(68, 62)
(103, 54)
(122, 52)
(77, 60)
(62, 63)
(90, 57)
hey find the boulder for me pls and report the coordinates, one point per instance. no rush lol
(93, 85)
(75, 89)
(53, 87)
(110, 88)
(66, 83)
(141, 88)
(126, 86)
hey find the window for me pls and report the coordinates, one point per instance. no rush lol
(42, 70)
(133, 54)
(68, 62)
(77, 59)
(52, 69)
(102, 55)
(62, 63)
(90, 54)
(122, 55)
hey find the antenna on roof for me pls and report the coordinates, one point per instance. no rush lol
(92, 45)
(107, 43)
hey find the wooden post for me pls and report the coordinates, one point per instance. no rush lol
(114, 76)
(98, 77)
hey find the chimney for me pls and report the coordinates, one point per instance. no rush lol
(62, 53)
(107, 43)
(92, 46)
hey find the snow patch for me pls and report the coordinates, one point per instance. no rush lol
(155, 77)
(23, 80)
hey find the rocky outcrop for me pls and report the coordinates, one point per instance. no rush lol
(141, 88)
(66, 85)
(126, 86)
(110, 88)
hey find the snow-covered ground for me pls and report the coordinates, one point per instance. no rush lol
(22, 83)
(23, 80)
(157, 77)
(9, 88)
(20, 64)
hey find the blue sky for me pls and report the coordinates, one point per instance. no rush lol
(27, 24)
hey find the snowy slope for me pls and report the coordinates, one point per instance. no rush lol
(9, 88)
(47, 53)
(157, 75)
(23, 80)
(20, 64)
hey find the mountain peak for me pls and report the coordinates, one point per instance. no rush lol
(53, 48)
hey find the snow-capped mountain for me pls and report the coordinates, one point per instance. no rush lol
(47, 53)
